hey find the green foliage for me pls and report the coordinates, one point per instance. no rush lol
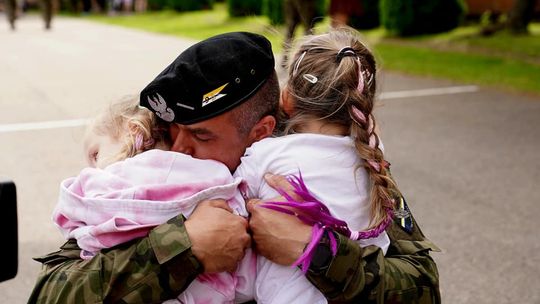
(416, 17)
(180, 5)
(370, 17)
(273, 9)
(239, 8)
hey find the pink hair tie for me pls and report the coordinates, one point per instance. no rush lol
(359, 115)
(149, 143)
(139, 141)
(375, 165)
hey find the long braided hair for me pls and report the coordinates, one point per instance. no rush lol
(332, 78)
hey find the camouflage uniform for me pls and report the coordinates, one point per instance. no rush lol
(161, 266)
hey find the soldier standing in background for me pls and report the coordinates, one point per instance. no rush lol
(11, 12)
(341, 10)
(297, 12)
(46, 6)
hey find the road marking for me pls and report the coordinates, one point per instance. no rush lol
(427, 92)
(32, 126)
(383, 96)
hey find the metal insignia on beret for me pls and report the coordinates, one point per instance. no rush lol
(159, 105)
(214, 95)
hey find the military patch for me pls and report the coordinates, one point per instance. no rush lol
(402, 215)
(214, 95)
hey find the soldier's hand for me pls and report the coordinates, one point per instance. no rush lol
(218, 237)
(277, 236)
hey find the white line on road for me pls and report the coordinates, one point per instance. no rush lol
(428, 92)
(31, 126)
(386, 95)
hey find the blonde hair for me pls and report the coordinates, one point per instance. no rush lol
(135, 127)
(332, 78)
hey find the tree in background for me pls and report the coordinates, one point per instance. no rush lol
(520, 16)
(180, 5)
(244, 7)
(517, 23)
(416, 17)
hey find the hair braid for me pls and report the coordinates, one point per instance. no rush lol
(383, 187)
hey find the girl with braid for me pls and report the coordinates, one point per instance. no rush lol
(331, 148)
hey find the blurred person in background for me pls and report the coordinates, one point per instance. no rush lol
(297, 12)
(12, 12)
(341, 10)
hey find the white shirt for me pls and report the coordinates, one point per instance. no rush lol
(332, 171)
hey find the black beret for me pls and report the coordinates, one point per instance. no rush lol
(210, 78)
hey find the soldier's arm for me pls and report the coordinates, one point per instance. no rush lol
(407, 274)
(147, 270)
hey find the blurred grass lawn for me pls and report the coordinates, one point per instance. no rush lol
(501, 61)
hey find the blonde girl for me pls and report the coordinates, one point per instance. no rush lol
(133, 185)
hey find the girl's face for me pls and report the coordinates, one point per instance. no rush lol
(101, 150)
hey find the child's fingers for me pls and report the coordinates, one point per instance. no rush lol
(252, 203)
(279, 182)
(218, 203)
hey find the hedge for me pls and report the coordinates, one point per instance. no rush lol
(416, 17)
(180, 5)
(244, 7)
(273, 9)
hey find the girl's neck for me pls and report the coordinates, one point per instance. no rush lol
(321, 127)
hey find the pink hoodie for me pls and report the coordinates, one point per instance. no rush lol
(102, 208)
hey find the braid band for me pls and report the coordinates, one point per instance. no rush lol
(358, 116)
(140, 143)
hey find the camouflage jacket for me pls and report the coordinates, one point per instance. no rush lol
(161, 266)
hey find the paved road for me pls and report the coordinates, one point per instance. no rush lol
(468, 162)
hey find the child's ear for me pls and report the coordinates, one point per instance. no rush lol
(287, 102)
(264, 128)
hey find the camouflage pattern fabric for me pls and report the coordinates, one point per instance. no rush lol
(407, 274)
(161, 266)
(147, 270)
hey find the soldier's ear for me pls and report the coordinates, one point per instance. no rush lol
(264, 128)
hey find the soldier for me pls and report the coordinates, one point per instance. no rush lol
(11, 12)
(46, 6)
(297, 12)
(219, 96)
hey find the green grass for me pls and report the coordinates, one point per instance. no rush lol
(196, 25)
(501, 61)
(513, 75)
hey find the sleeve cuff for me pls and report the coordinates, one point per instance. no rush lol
(348, 256)
(170, 240)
